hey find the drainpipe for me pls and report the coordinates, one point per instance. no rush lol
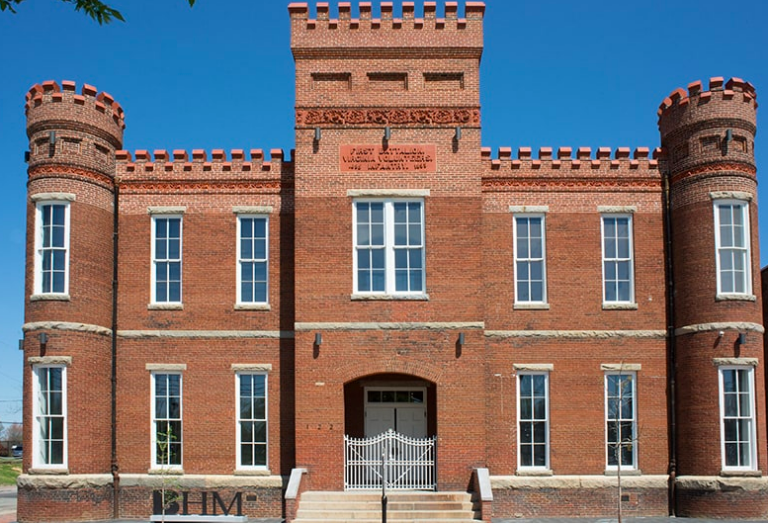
(115, 467)
(671, 357)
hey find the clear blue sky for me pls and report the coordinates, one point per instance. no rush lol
(220, 75)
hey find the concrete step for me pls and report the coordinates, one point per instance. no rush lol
(402, 506)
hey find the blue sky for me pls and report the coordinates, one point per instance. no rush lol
(220, 75)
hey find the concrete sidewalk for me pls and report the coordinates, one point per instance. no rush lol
(7, 504)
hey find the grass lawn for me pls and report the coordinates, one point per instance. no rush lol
(9, 470)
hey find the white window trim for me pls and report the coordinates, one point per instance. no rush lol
(170, 304)
(155, 466)
(389, 251)
(38, 284)
(240, 217)
(36, 462)
(631, 301)
(543, 217)
(744, 205)
(625, 371)
(546, 467)
(753, 433)
(238, 464)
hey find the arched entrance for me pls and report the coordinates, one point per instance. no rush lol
(404, 403)
(390, 433)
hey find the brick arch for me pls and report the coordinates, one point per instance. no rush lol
(353, 370)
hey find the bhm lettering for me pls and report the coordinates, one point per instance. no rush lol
(210, 503)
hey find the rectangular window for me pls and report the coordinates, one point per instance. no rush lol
(618, 285)
(252, 420)
(737, 418)
(167, 434)
(530, 279)
(620, 420)
(533, 420)
(252, 257)
(50, 423)
(52, 248)
(166, 259)
(389, 247)
(732, 244)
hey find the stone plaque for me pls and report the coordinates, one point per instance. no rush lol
(400, 157)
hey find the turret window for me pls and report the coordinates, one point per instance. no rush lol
(732, 246)
(52, 248)
(737, 417)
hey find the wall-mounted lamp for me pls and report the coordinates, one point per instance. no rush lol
(457, 135)
(387, 133)
(318, 134)
(52, 137)
(461, 339)
(318, 339)
(742, 339)
(43, 339)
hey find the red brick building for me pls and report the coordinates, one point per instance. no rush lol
(222, 324)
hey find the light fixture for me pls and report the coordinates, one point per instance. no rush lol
(457, 135)
(318, 339)
(461, 339)
(387, 133)
(742, 339)
(43, 339)
(318, 134)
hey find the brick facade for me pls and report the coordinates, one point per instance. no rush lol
(405, 89)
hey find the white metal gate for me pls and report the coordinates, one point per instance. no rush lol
(402, 462)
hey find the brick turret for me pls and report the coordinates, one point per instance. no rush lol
(708, 137)
(70, 213)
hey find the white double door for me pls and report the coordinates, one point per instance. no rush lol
(405, 418)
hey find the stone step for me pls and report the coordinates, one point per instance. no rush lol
(402, 506)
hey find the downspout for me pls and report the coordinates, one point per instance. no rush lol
(115, 467)
(671, 357)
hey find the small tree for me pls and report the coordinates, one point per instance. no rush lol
(14, 433)
(169, 484)
(95, 9)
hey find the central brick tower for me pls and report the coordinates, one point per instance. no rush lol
(388, 118)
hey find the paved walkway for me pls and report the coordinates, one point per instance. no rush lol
(7, 504)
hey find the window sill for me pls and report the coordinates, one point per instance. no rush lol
(534, 472)
(252, 472)
(252, 307)
(49, 471)
(620, 305)
(723, 297)
(64, 297)
(625, 471)
(176, 306)
(531, 305)
(383, 296)
(741, 473)
(172, 470)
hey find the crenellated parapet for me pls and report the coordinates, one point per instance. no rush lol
(700, 128)
(566, 167)
(387, 32)
(184, 170)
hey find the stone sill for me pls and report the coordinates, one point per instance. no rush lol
(48, 471)
(628, 472)
(724, 297)
(619, 305)
(252, 307)
(531, 306)
(741, 473)
(534, 472)
(64, 297)
(166, 307)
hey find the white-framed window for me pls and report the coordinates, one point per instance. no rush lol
(252, 259)
(252, 428)
(618, 271)
(533, 420)
(732, 245)
(166, 259)
(621, 420)
(389, 246)
(530, 257)
(167, 430)
(737, 417)
(52, 247)
(49, 383)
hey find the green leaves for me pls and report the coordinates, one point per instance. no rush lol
(97, 10)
